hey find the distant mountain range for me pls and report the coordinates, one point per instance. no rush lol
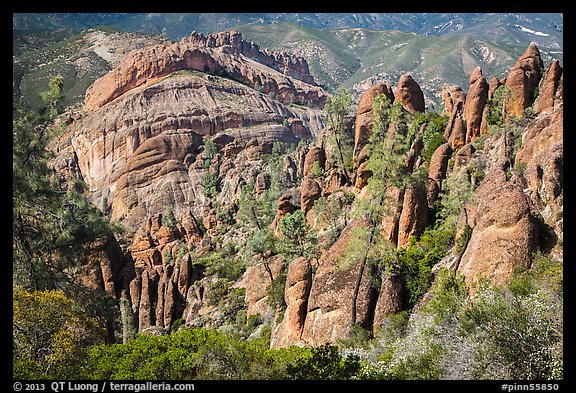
(343, 50)
(545, 28)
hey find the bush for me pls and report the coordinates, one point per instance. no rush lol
(325, 363)
(51, 335)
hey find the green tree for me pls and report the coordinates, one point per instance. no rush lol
(325, 363)
(51, 335)
(336, 109)
(296, 238)
(52, 227)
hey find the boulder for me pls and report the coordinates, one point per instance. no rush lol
(451, 96)
(438, 166)
(315, 154)
(455, 131)
(414, 215)
(310, 192)
(389, 299)
(363, 126)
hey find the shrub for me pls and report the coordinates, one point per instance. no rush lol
(51, 335)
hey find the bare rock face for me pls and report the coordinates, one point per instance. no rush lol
(256, 281)
(296, 292)
(523, 79)
(311, 191)
(439, 163)
(451, 96)
(284, 62)
(341, 294)
(455, 132)
(505, 234)
(140, 152)
(547, 91)
(493, 85)
(363, 127)
(463, 157)
(100, 269)
(262, 183)
(390, 217)
(475, 101)
(542, 152)
(410, 94)
(143, 66)
(389, 299)
(414, 216)
(540, 135)
(315, 154)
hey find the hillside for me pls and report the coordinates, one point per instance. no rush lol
(357, 58)
(207, 210)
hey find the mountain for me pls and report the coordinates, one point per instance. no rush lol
(546, 28)
(388, 239)
(347, 49)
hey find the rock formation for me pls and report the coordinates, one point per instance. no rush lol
(222, 54)
(505, 234)
(363, 127)
(296, 292)
(475, 102)
(523, 79)
(142, 151)
(547, 90)
(410, 94)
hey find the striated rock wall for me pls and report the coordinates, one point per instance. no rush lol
(221, 54)
(142, 151)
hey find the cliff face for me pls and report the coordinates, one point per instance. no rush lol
(142, 151)
(224, 53)
(168, 117)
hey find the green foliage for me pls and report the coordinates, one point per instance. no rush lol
(275, 291)
(497, 106)
(168, 218)
(51, 335)
(256, 213)
(329, 212)
(211, 185)
(223, 266)
(296, 238)
(502, 332)
(436, 140)
(325, 363)
(417, 260)
(261, 241)
(52, 228)
(317, 172)
(192, 354)
(449, 294)
(336, 109)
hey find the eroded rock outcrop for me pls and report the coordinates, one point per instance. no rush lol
(296, 292)
(341, 294)
(410, 94)
(548, 88)
(219, 54)
(363, 126)
(143, 151)
(475, 102)
(523, 79)
(505, 233)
